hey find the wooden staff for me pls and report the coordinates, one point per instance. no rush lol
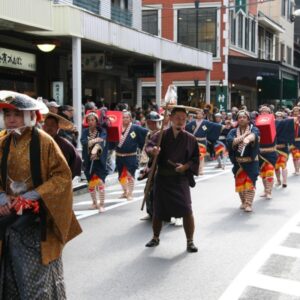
(154, 162)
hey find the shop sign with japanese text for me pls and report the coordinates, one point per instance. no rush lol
(17, 60)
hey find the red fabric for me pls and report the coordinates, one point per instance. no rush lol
(266, 170)
(23, 204)
(114, 129)
(281, 161)
(266, 126)
(243, 182)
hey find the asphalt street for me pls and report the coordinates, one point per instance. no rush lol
(241, 256)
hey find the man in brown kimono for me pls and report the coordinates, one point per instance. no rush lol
(178, 161)
(36, 217)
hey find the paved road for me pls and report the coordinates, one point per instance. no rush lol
(241, 256)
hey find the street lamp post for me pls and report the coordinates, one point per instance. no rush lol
(197, 21)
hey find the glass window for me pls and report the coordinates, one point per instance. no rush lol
(150, 21)
(240, 30)
(232, 27)
(261, 42)
(91, 5)
(269, 45)
(276, 48)
(198, 28)
(289, 55)
(282, 52)
(247, 33)
(283, 7)
(253, 36)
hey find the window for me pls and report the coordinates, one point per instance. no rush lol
(276, 48)
(289, 55)
(91, 5)
(203, 36)
(232, 27)
(253, 36)
(269, 45)
(247, 33)
(261, 42)
(150, 21)
(283, 7)
(240, 30)
(282, 52)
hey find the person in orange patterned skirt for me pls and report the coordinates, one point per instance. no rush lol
(285, 133)
(267, 161)
(203, 130)
(295, 147)
(243, 146)
(94, 154)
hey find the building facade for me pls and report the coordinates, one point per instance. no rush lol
(98, 51)
(251, 43)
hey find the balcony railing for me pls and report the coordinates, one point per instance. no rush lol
(122, 16)
(90, 5)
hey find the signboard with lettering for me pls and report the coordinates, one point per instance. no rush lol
(90, 61)
(241, 5)
(17, 60)
(221, 98)
(58, 91)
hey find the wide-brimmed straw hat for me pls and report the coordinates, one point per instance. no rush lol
(63, 123)
(183, 107)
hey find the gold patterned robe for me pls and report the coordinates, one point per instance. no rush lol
(56, 191)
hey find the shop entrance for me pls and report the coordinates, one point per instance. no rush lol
(19, 83)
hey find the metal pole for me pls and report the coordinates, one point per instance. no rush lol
(139, 92)
(197, 21)
(281, 90)
(207, 89)
(76, 84)
(158, 82)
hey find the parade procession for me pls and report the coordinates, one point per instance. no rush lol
(149, 149)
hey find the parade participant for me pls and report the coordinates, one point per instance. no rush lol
(52, 124)
(267, 161)
(282, 147)
(35, 205)
(220, 146)
(94, 154)
(243, 146)
(53, 107)
(153, 124)
(295, 147)
(203, 129)
(133, 137)
(178, 161)
(67, 111)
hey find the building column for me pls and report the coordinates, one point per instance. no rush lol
(139, 92)
(76, 84)
(158, 82)
(207, 89)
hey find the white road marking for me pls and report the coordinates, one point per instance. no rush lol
(285, 286)
(248, 276)
(287, 251)
(82, 214)
(204, 177)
